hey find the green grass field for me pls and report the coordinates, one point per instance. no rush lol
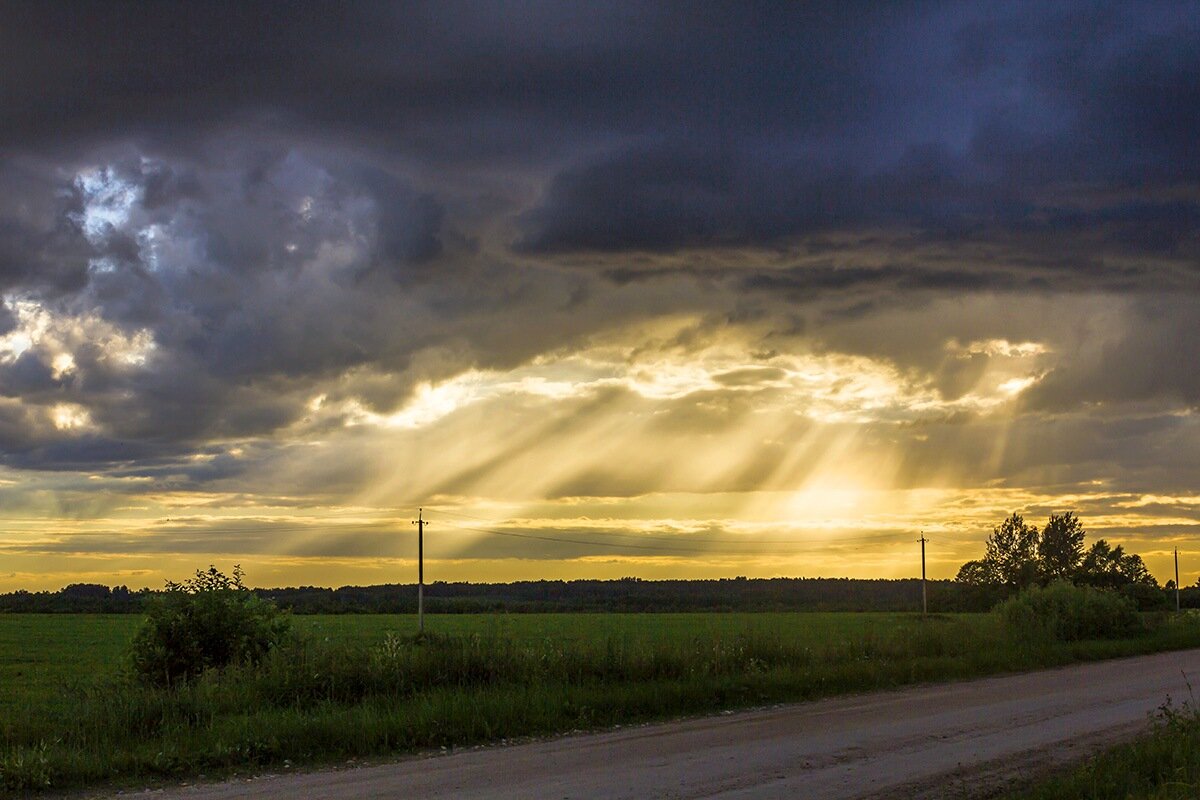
(358, 686)
(44, 656)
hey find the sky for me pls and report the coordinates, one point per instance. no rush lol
(662, 290)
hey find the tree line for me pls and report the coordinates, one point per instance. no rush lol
(621, 595)
(1019, 555)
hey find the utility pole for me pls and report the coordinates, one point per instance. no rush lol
(1176, 580)
(420, 523)
(924, 596)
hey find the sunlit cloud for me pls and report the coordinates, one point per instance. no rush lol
(108, 201)
(70, 417)
(56, 337)
(825, 387)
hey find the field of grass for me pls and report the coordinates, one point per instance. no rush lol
(360, 686)
(41, 655)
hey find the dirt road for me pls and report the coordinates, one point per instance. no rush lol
(930, 741)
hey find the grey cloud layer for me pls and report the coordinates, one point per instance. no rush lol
(348, 199)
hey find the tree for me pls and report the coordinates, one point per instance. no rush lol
(977, 573)
(1111, 567)
(1101, 565)
(1134, 570)
(1012, 553)
(1060, 548)
(1019, 556)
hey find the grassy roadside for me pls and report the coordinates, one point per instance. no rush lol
(1162, 765)
(351, 688)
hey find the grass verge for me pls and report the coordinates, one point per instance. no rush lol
(1163, 765)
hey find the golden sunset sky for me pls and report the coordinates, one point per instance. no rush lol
(608, 290)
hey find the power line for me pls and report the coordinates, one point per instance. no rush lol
(324, 528)
(617, 545)
(751, 547)
(381, 527)
(881, 537)
(385, 527)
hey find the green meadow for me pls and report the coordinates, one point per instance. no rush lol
(363, 686)
(45, 659)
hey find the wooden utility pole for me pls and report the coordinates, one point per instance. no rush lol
(1176, 580)
(924, 596)
(420, 523)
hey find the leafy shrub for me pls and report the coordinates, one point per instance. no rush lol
(1148, 598)
(206, 622)
(1067, 613)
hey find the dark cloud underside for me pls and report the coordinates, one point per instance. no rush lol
(225, 212)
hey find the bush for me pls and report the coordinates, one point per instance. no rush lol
(1068, 613)
(1149, 598)
(206, 622)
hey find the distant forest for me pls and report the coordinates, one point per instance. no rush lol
(626, 594)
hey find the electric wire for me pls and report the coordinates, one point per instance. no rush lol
(882, 537)
(748, 547)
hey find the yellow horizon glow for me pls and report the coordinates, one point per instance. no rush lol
(848, 533)
(653, 448)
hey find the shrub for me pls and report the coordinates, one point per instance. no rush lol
(206, 622)
(1148, 598)
(1067, 613)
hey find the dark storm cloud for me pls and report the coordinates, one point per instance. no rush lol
(777, 80)
(347, 199)
(1111, 93)
(440, 76)
(1054, 132)
(38, 243)
(674, 194)
(738, 122)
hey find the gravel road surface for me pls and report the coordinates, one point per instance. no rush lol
(947, 740)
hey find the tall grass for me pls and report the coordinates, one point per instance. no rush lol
(1162, 765)
(315, 701)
